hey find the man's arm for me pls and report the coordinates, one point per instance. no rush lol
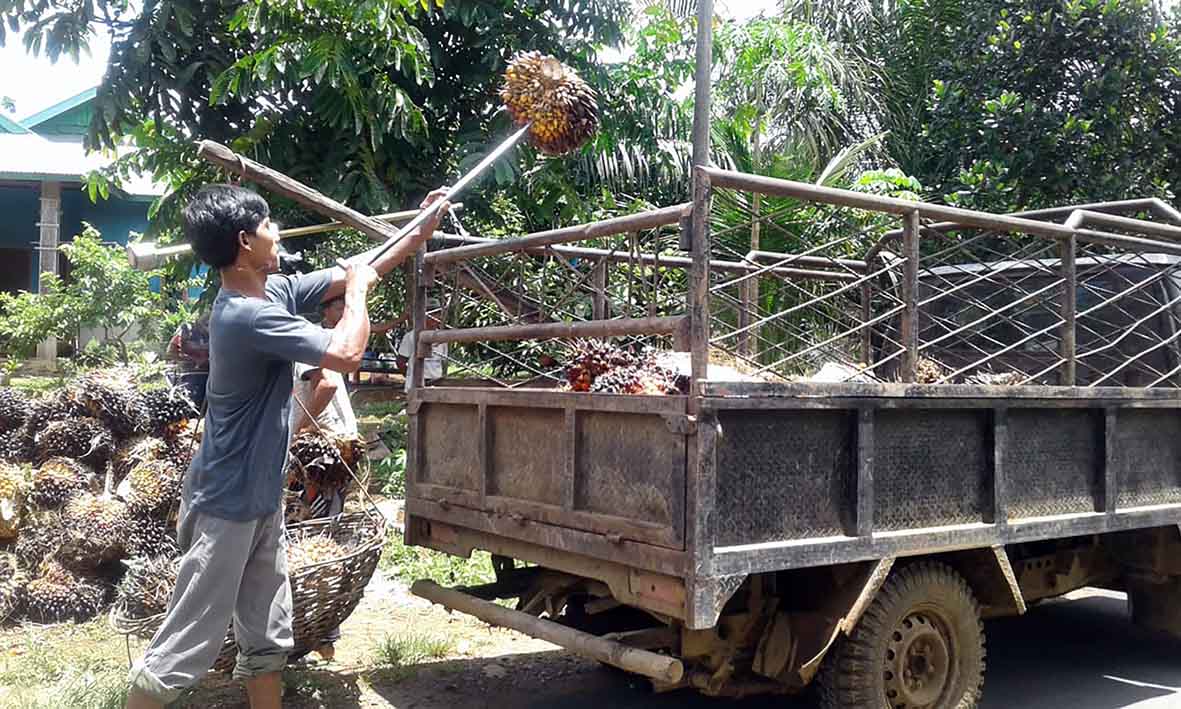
(398, 253)
(351, 334)
(322, 391)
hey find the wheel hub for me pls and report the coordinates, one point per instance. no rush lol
(918, 666)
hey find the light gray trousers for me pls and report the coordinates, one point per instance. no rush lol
(230, 570)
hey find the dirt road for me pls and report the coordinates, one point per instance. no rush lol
(1080, 654)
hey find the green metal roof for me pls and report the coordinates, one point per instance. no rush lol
(59, 108)
(7, 125)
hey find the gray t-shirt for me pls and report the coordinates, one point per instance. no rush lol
(237, 473)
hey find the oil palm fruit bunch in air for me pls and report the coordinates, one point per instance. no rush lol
(319, 460)
(57, 594)
(547, 95)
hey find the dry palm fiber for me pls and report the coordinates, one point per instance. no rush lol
(12, 585)
(84, 438)
(14, 482)
(147, 586)
(56, 480)
(14, 409)
(153, 486)
(58, 594)
(311, 550)
(134, 451)
(561, 108)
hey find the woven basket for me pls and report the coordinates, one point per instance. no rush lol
(323, 595)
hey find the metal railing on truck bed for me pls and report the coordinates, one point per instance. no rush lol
(858, 391)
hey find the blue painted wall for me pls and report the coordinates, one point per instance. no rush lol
(19, 214)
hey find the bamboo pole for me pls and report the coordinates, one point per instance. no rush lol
(555, 330)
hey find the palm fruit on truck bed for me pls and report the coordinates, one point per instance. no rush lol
(541, 90)
(56, 480)
(588, 359)
(58, 594)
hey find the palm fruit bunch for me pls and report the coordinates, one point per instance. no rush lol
(560, 107)
(586, 360)
(928, 371)
(84, 438)
(153, 486)
(136, 450)
(149, 536)
(183, 440)
(40, 539)
(146, 588)
(14, 409)
(637, 380)
(13, 486)
(58, 406)
(319, 461)
(56, 480)
(58, 594)
(166, 409)
(99, 523)
(16, 446)
(12, 585)
(111, 397)
(351, 449)
(313, 549)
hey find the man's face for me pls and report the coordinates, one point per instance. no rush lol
(262, 252)
(333, 312)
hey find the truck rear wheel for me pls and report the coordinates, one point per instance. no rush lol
(920, 645)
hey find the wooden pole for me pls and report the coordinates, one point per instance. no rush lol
(281, 184)
(555, 330)
(642, 662)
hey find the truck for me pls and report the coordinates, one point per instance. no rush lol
(1005, 429)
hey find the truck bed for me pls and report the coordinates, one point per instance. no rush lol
(778, 476)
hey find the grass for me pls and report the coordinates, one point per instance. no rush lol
(409, 564)
(66, 665)
(36, 385)
(399, 654)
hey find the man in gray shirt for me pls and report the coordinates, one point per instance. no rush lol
(231, 517)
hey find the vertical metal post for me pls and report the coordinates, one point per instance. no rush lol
(1111, 471)
(419, 320)
(1000, 445)
(701, 96)
(699, 288)
(600, 286)
(911, 228)
(864, 494)
(49, 228)
(1069, 347)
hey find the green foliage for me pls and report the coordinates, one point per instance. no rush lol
(409, 564)
(102, 292)
(405, 650)
(1006, 104)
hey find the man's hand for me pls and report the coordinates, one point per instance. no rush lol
(432, 222)
(360, 277)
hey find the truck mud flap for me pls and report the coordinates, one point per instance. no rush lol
(658, 667)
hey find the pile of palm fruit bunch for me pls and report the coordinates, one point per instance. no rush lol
(602, 367)
(90, 477)
(320, 462)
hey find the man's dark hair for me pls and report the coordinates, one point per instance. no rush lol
(214, 217)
